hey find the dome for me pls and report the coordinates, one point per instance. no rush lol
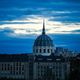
(43, 40)
(43, 45)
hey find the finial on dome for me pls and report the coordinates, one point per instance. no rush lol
(43, 31)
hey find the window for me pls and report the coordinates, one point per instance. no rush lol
(16, 68)
(2, 66)
(22, 73)
(44, 50)
(17, 64)
(40, 51)
(5, 68)
(22, 67)
(19, 71)
(48, 50)
(16, 73)
(8, 66)
(11, 67)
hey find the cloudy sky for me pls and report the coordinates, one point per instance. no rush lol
(21, 22)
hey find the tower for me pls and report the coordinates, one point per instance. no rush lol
(43, 45)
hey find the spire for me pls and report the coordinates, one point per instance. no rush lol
(43, 30)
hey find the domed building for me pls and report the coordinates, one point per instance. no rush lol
(43, 45)
(37, 67)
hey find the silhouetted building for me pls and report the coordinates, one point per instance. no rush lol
(45, 63)
(75, 68)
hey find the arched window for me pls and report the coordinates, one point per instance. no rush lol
(48, 50)
(40, 51)
(44, 50)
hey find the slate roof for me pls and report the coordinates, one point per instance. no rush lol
(43, 40)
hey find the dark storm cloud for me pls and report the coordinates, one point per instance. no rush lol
(67, 19)
(19, 9)
(16, 22)
(72, 32)
(76, 31)
(65, 11)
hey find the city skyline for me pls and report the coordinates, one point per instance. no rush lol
(21, 22)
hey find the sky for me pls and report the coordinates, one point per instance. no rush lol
(21, 23)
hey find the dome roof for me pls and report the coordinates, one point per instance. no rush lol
(43, 40)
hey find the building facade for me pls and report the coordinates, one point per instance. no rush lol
(14, 66)
(42, 64)
(49, 68)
